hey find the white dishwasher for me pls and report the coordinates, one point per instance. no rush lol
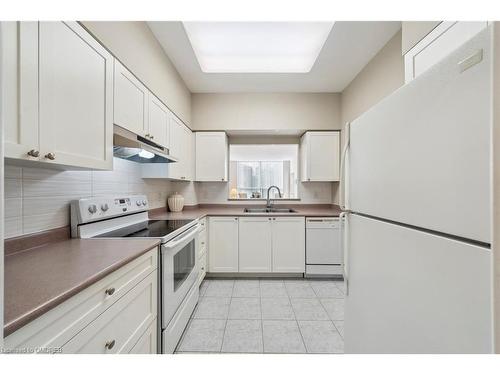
(324, 255)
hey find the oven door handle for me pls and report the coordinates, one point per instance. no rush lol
(178, 240)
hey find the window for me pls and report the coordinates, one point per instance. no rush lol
(254, 168)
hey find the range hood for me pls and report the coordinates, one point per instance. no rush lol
(130, 146)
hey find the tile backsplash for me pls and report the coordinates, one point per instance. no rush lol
(37, 199)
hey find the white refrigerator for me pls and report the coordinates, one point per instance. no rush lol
(417, 228)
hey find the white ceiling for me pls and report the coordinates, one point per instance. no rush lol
(349, 47)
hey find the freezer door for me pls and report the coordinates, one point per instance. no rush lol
(422, 155)
(414, 292)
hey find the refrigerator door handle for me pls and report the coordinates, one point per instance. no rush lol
(342, 185)
(343, 244)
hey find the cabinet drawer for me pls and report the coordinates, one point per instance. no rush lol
(148, 342)
(117, 330)
(60, 324)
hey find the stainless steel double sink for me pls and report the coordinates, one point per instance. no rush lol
(268, 210)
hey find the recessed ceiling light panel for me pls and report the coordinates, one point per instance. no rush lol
(257, 47)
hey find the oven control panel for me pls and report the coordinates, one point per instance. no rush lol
(99, 208)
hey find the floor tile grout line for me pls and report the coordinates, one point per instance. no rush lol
(296, 321)
(225, 325)
(261, 320)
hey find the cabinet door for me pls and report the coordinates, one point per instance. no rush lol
(130, 101)
(211, 156)
(255, 254)
(158, 121)
(223, 244)
(323, 156)
(119, 328)
(181, 146)
(19, 77)
(148, 342)
(75, 97)
(288, 244)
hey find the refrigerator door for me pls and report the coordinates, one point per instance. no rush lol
(414, 292)
(422, 155)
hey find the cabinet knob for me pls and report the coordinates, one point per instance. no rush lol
(109, 291)
(146, 135)
(50, 156)
(33, 153)
(110, 344)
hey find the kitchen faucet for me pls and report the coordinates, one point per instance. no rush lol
(269, 205)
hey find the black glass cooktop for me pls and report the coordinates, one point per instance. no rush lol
(151, 228)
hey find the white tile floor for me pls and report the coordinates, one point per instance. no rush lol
(267, 316)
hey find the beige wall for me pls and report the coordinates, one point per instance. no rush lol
(414, 31)
(266, 111)
(135, 46)
(379, 78)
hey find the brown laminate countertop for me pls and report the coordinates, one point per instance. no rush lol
(38, 279)
(197, 212)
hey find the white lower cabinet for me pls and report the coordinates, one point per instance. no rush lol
(147, 343)
(118, 329)
(255, 244)
(110, 316)
(223, 244)
(289, 244)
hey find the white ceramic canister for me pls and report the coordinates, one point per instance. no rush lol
(175, 202)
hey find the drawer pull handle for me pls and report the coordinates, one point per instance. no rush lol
(110, 291)
(110, 344)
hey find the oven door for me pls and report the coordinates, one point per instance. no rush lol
(179, 271)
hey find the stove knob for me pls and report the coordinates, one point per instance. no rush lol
(138, 203)
(104, 207)
(92, 208)
(144, 202)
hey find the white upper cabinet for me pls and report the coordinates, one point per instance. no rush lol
(181, 141)
(289, 243)
(19, 77)
(211, 156)
(130, 101)
(439, 43)
(182, 148)
(320, 156)
(223, 244)
(255, 244)
(75, 97)
(62, 114)
(158, 122)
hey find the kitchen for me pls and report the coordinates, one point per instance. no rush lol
(186, 199)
